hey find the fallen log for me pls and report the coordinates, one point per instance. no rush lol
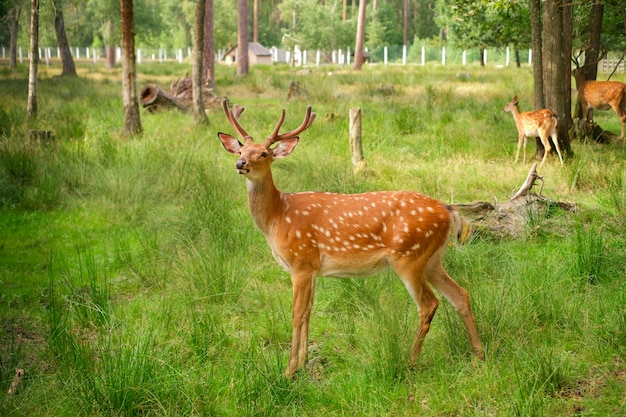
(154, 99)
(513, 217)
(179, 96)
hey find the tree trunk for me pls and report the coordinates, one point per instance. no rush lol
(566, 51)
(536, 44)
(14, 17)
(255, 23)
(132, 121)
(110, 48)
(208, 53)
(242, 38)
(590, 67)
(595, 30)
(405, 24)
(31, 112)
(59, 28)
(556, 58)
(360, 36)
(199, 112)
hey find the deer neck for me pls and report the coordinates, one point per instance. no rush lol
(264, 201)
(516, 116)
(580, 80)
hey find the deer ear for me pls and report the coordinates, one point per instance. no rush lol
(285, 147)
(231, 144)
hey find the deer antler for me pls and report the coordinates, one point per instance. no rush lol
(275, 137)
(232, 116)
(575, 59)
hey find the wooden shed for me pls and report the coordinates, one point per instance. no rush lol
(257, 54)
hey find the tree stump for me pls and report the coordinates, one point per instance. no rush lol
(356, 148)
(584, 131)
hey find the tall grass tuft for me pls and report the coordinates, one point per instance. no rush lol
(78, 298)
(593, 264)
(538, 373)
(615, 198)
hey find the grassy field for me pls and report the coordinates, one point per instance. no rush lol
(134, 282)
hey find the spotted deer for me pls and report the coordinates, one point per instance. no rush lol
(542, 123)
(601, 95)
(316, 234)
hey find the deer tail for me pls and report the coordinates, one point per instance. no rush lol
(460, 229)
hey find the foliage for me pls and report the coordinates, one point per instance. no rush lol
(314, 25)
(382, 30)
(496, 23)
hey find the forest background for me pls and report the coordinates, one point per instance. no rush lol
(169, 24)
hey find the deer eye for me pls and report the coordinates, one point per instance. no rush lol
(263, 154)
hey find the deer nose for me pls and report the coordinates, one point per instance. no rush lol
(241, 163)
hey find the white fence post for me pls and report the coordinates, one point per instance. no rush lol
(403, 54)
(508, 56)
(423, 55)
(485, 56)
(464, 57)
(530, 57)
(318, 57)
(443, 55)
(385, 50)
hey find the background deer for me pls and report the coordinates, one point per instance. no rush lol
(601, 95)
(313, 234)
(542, 123)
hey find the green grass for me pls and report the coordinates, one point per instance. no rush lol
(134, 282)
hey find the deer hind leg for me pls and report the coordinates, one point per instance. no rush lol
(546, 146)
(303, 294)
(418, 288)
(457, 296)
(555, 139)
(622, 116)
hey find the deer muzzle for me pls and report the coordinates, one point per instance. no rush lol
(241, 166)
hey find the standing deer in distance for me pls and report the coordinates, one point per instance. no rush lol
(542, 123)
(601, 95)
(315, 234)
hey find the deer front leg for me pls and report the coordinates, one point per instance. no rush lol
(303, 291)
(521, 138)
